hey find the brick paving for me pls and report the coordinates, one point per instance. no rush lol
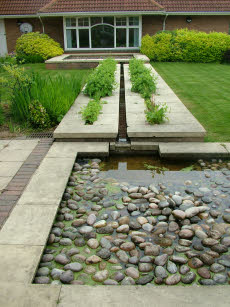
(16, 186)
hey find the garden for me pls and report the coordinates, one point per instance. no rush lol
(196, 66)
(33, 98)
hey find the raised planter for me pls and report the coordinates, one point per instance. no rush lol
(73, 128)
(181, 126)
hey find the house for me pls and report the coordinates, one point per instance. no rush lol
(92, 25)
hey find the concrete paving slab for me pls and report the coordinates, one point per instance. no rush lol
(9, 169)
(4, 182)
(180, 124)
(19, 295)
(28, 225)
(19, 262)
(144, 146)
(106, 127)
(23, 144)
(48, 183)
(69, 149)
(13, 155)
(4, 143)
(192, 150)
(139, 296)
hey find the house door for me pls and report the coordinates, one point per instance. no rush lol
(3, 46)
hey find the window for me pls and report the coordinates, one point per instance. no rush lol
(83, 22)
(102, 32)
(71, 38)
(83, 38)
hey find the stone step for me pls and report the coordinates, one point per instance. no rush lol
(196, 150)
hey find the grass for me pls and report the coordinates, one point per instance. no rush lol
(205, 91)
(13, 126)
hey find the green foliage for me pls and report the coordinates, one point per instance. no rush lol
(101, 82)
(142, 80)
(38, 115)
(155, 114)
(33, 58)
(91, 111)
(1, 115)
(55, 94)
(36, 46)
(186, 46)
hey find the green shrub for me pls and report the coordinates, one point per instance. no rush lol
(155, 114)
(186, 45)
(91, 112)
(34, 58)
(1, 115)
(101, 82)
(142, 80)
(38, 115)
(38, 46)
(55, 94)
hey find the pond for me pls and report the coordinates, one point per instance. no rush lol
(138, 221)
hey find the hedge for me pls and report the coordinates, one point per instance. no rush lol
(186, 46)
(37, 47)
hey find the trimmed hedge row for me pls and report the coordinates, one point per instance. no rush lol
(186, 46)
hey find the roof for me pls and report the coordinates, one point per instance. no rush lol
(32, 7)
(21, 7)
(101, 6)
(195, 5)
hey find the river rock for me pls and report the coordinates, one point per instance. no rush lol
(173, 279)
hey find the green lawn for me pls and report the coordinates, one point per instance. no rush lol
(205, 91)
(20, 128)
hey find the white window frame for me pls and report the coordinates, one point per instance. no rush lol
(127, 27)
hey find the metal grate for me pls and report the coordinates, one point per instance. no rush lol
(40, 135)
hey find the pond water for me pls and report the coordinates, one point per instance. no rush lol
(122, 224)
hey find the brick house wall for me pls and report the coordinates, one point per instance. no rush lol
(152, 24)
(53, 27)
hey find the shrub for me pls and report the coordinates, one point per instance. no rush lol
(155, 114)
(36, 46)
(91, 112)
(226, 57)
(55, 94)
(34, 58)
(142, 80)
(185, 45)
(102, 81)
(1, 115)
(38, 115)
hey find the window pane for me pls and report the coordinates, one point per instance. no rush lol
(133, 37)
(109, 20)
(83, 22)
(102, 36)
(71, 22)
(83, 38)
(120, 37)
(121, 21)
(96, 20)
(134, 21)
(71, 36)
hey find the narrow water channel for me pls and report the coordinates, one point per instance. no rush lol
(122, 135)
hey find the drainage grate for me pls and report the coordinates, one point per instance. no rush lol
(40, 135)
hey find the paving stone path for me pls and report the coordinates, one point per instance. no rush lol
(18, 161)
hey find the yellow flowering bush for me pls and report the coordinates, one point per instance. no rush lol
(186, 45)
(37, 45)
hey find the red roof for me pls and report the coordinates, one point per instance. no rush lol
(101, 6)
(195, 5)
(29, 7)
(21, 7)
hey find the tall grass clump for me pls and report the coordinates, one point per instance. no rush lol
(53, 95)
(1, 115)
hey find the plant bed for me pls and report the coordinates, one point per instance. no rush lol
(111, 233)
(105, 127)
(180, 126)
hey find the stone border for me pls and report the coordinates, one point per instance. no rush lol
(62, 58)
(21, 247)
(72, 127)
(181, 125)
